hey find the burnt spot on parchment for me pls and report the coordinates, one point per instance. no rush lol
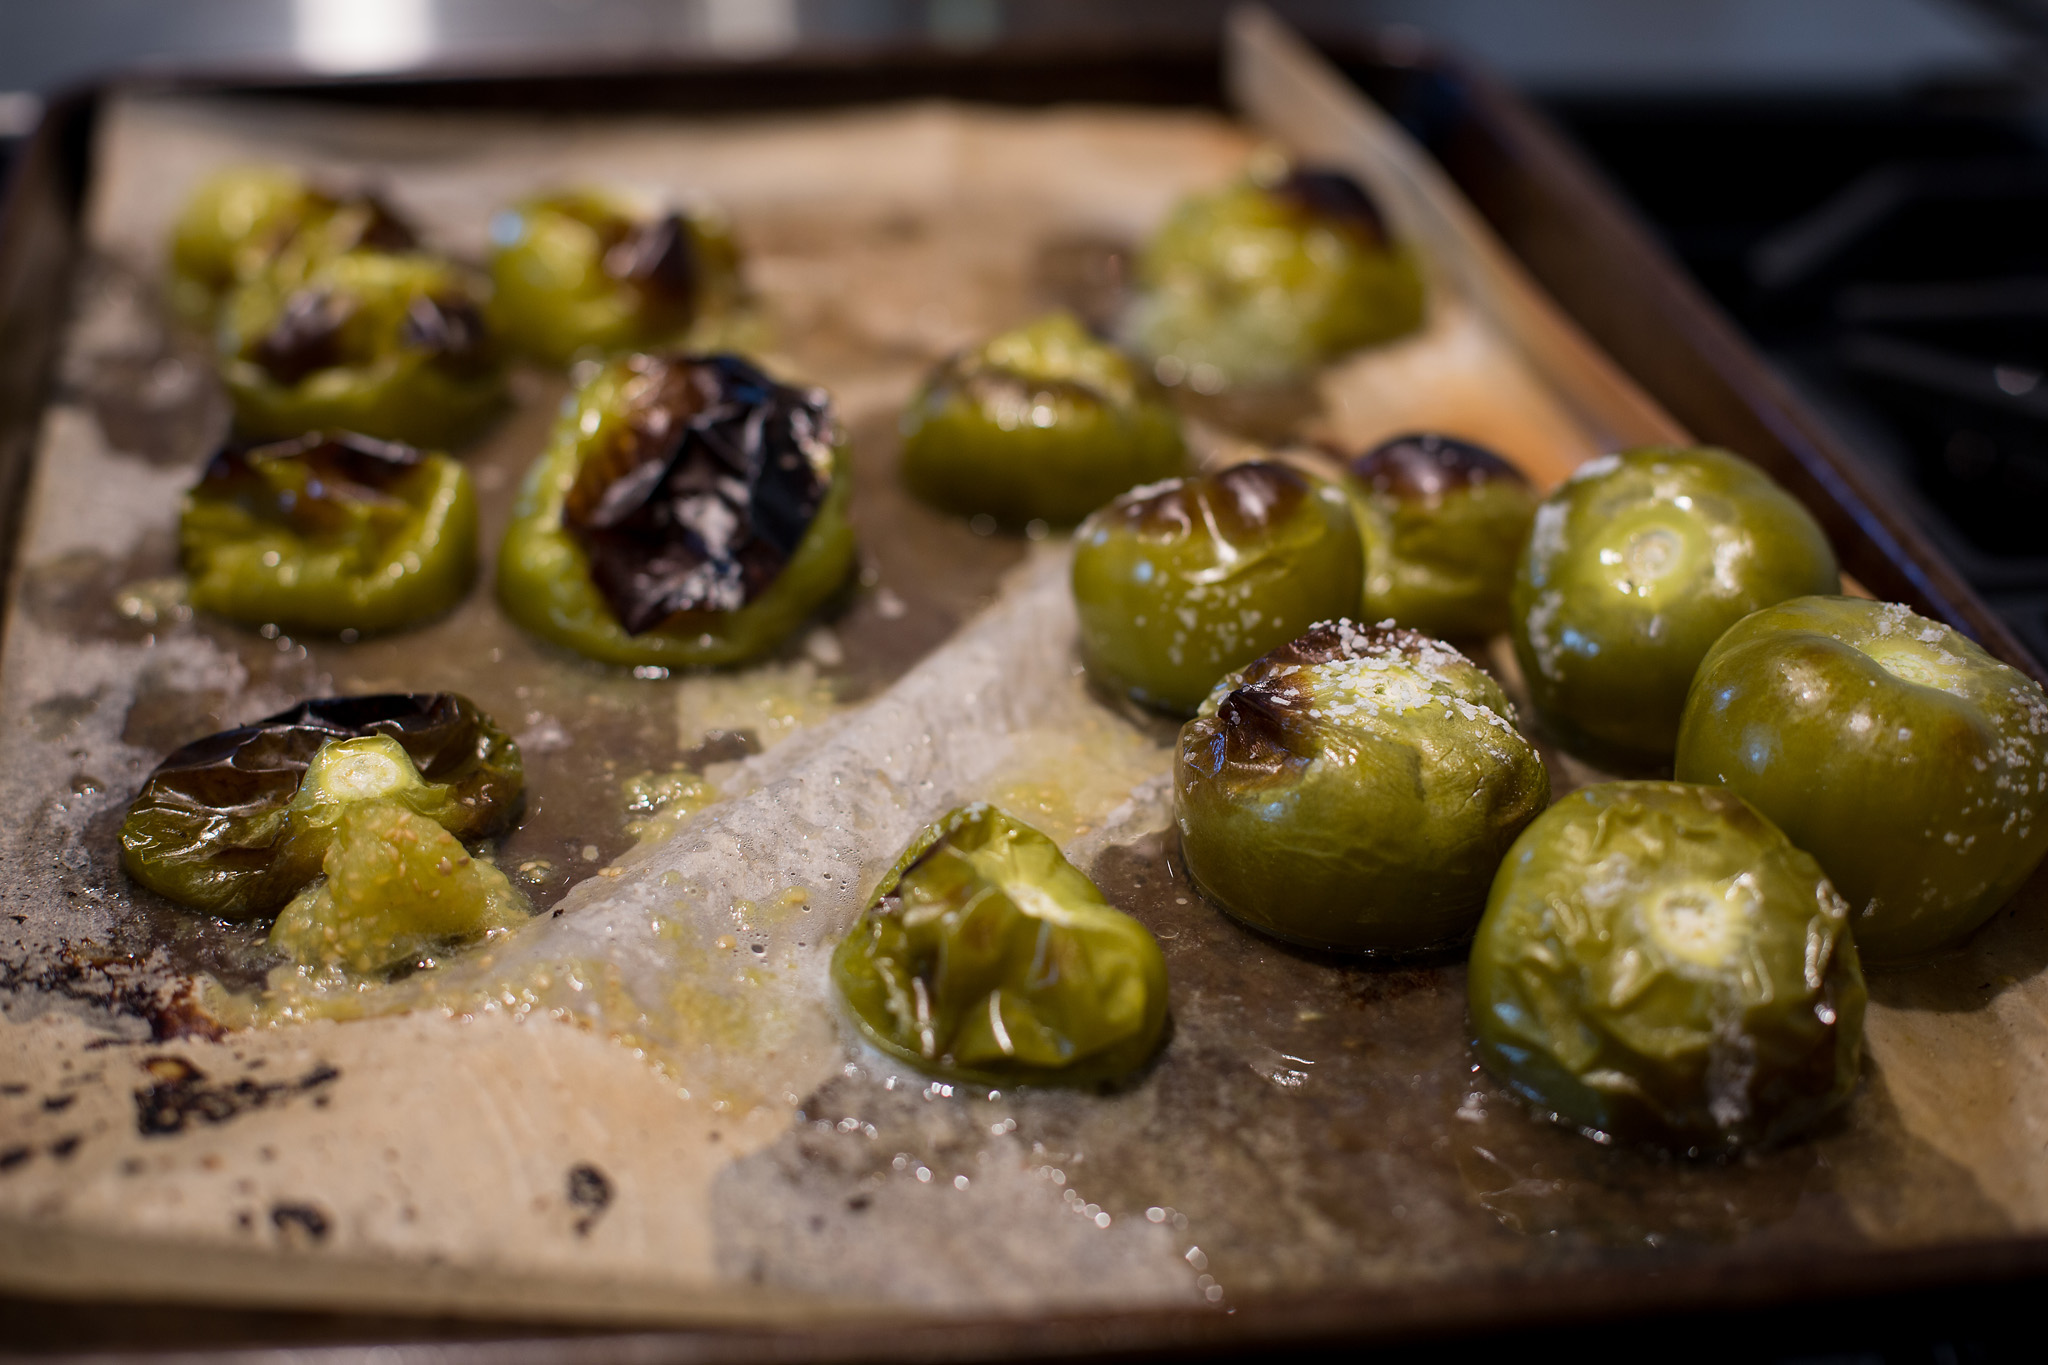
(125, 985)
(590, 1191)
(179, 1095)
(300, 1225)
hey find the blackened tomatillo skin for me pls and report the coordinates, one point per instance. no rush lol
(1444, 522)
(1634, 567)
(985, 955)
(1354, 790)
(1262, 281)
(1041, 423)
(582, 272)
(688, 510)
(1912, 764)
(329, 532)
(389, 345)
(1180, 582)
(255, 220)
(233, 824)
(1658, 963)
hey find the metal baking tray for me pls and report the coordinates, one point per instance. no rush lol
(1567, 231)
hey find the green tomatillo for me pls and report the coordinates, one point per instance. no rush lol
(1044, 423)
(985, 955)
(250, 221)
(1912, 764)
(1269, 278)
(396, 888)
(688, 510)
(389, 345)
(586, 273)
(1444, 522)
(1658, 963)
(1634, 567)
(1178, 583)
(1354, 790)
(332, 532)
(237, 823)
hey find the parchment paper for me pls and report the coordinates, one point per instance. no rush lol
(642, 1106)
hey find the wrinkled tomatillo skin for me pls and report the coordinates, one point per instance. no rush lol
(1042, 423)
(236, 823)
(1269, 278)
(1444, 522)
(1354, 790)
(255, 220)
(1633, 569)
(1912, 764)
(1658, 963)
(330, 532)
(688, 510)
(583, 272)
(1180, 582)
(986, 955)
(389, 345)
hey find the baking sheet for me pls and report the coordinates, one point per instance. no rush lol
(1311, 1124)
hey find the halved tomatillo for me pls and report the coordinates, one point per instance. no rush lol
(688, 510)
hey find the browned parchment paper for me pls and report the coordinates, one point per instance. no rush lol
(641, 1105)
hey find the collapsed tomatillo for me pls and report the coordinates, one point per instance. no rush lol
(984, 954)
(1658, 963)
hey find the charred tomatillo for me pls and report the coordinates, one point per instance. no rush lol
(1354, 790)
(1042, 423)
(1180, 582)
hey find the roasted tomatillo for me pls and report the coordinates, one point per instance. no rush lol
(387, 345)
(1658, 963)
(236, 823)
(1180, 582)
(1912, 764)
(1633, 569)
(986, 955)
(1043, 423)
(585, 273)
(1443, 521)
(252, 221)
(1262, 281)
(328, 533)
(1354, 790)
(396, 888)
(688, 510)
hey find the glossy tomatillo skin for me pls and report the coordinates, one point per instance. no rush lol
(1269, 278)
(1633, 569)
(1354, 790)
(1658, 963)
(986, 955)
(329, 535)
(585, 273)
(1444, 522)
(1041, 423)
(237, 823)
(389, 345)
(1912, 764)
(1179, 583)
(544, 575)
